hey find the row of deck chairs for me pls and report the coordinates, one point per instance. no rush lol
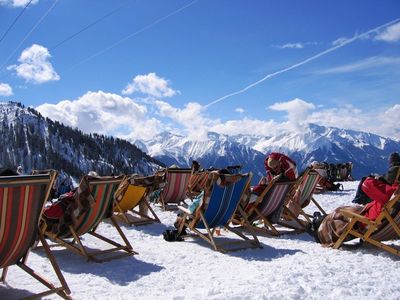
(225, 205)
(271, 210)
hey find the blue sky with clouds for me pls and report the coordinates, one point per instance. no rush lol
(136, 68)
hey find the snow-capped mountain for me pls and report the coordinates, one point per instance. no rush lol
(368, 152)
(217, 151)
(34, 142)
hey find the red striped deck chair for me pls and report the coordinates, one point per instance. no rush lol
(220, 202)
(22, 199)
(386, 226)
(93, 202)
(306, 185)
(175, 189)
(132, 204)
(266, 210)
(197, 183)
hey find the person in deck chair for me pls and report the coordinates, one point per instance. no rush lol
(368, 183)
(275, 164)
(377, 189)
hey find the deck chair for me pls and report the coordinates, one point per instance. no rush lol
(306, 185)
(386, 226)
(175, 189)
(22, 199)
(221, 200)
(197, 183)
(267, 208)
(131, 199)
(93, 202)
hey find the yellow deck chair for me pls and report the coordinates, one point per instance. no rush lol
(132, 205)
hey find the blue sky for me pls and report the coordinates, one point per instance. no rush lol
(136, 68)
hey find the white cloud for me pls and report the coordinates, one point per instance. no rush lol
(150, 84)
(246, 126)
(240, 110)
(34, 65)
(104, 113)
(292, 46)
(17, 3)
(5, 90)
(371, 62)
(191, 118)
(390, 34)
(297, 111)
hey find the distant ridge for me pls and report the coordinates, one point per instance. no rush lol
(368, 152)
(35, 142)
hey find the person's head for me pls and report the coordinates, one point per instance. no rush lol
(19, 170)
(195, 165)
(394, 158)
(93, 174)
(274, 165)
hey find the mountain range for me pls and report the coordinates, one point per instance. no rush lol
(368, 152)
(36, 142)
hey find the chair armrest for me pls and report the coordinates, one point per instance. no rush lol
(184, 209)
(363, 219)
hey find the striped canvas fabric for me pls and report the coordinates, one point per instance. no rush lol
(308, 187)
(21, 203)
(102, 190)
(176, 186)
(385, 231)
(273, 200)
(197, 183)
(223, 201)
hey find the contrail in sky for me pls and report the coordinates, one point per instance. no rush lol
(340, 45)
(133, 34)
(29, 33)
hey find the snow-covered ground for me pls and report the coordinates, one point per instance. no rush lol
(288, 267)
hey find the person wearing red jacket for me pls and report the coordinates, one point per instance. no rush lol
(278, 163)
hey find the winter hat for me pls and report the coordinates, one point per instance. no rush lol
(394, 157)
(273, 163)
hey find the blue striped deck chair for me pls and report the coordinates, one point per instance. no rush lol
(220, 202)
(268, 207)
(94, 202)
(385, 228)
(22, 199)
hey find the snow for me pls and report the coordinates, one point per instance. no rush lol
(288, 267)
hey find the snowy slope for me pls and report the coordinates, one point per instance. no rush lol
(287, 267)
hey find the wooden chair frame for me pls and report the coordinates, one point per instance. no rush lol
(387, 222)
(306, 184)
(105, 188)
(19, 255)
(176, 178)
(260, 211)
(133, 201)
(208, 233)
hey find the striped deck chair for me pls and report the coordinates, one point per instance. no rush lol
(175, 189)
(267, 208)
(22, 199)
(306, 184)
(93, 202)
(197, 183)
(221, 200)
(131, 200)
(386, 226)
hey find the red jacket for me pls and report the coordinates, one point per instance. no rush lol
(379, 192)
(288, 166)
